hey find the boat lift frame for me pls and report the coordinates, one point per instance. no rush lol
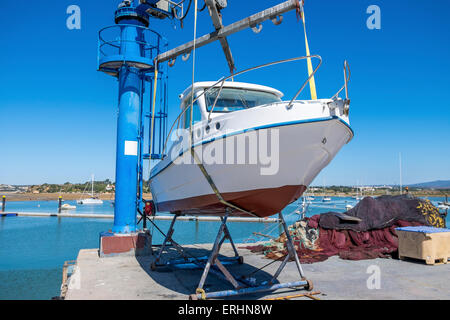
(215, 265)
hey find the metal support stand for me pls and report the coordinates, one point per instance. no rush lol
(251, 288)
(168, 241)
(212, 264)
(292, 254)
(213, 259)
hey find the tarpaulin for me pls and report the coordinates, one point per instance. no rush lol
(321, 236)
(384, 211)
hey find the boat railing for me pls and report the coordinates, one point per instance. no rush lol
(346, 80)
(222, 80)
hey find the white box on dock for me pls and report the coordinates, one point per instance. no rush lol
(424, 243)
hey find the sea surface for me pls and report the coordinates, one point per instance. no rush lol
(34, 249)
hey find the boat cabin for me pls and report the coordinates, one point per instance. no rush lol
(234, 96)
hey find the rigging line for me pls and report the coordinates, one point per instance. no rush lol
(268, 264)
(194, 155)
(263, 267)
(267, 230)
(193, 74)
(84, 190)
(272, 228)
(214, 188)
(196, 258)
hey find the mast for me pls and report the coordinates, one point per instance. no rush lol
(323, 186)
(400, 162)
(92, 190)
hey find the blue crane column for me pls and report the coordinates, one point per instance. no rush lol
(128, 123)
(127, 135)
(129, 57)
(130, 65)
(127, 151)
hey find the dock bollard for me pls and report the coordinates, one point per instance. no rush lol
(59, 204)
(3, 203)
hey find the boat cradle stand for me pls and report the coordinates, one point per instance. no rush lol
(212, 264)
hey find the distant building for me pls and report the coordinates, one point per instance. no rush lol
(7, 187)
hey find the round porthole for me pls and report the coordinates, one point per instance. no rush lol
(199, 133)
(217, 125)
(207, 129)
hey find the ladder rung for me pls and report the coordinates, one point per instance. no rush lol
(155, 156)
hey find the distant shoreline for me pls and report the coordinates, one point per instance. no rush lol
(55, 196)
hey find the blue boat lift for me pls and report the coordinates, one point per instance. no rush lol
(136, 56)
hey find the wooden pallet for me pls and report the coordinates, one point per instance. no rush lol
(431, 260)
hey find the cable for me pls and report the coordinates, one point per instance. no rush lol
(203, 8)
(265, 266)
(186, 13)
(193, 72)
(272, 228)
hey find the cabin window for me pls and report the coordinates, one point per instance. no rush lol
(187, 114)
(232, 99)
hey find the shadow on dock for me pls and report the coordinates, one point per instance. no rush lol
(185, 280)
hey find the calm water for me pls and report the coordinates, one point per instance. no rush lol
(33, 249)
(52, 206)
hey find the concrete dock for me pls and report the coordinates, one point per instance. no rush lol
(130, 277)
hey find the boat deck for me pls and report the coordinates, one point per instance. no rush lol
(131, 278)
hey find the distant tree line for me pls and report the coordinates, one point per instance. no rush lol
(99, 187)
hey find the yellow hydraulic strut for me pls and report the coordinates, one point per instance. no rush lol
(153, 109)
(312, 83)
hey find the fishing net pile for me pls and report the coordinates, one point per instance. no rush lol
(366, 231)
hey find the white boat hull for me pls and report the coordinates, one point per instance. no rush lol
(309, 138)
(68, 207)
(90, 201)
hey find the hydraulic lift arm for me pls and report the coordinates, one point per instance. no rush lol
(222, 32)
(217, 22)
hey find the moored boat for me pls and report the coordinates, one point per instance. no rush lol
(67, 206)
(92, 199)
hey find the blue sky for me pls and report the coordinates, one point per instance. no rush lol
(58, 114)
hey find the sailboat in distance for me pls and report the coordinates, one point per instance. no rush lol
(325, 198)
(309, 196)
(92, 199)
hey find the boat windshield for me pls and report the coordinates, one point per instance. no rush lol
(232, 99)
